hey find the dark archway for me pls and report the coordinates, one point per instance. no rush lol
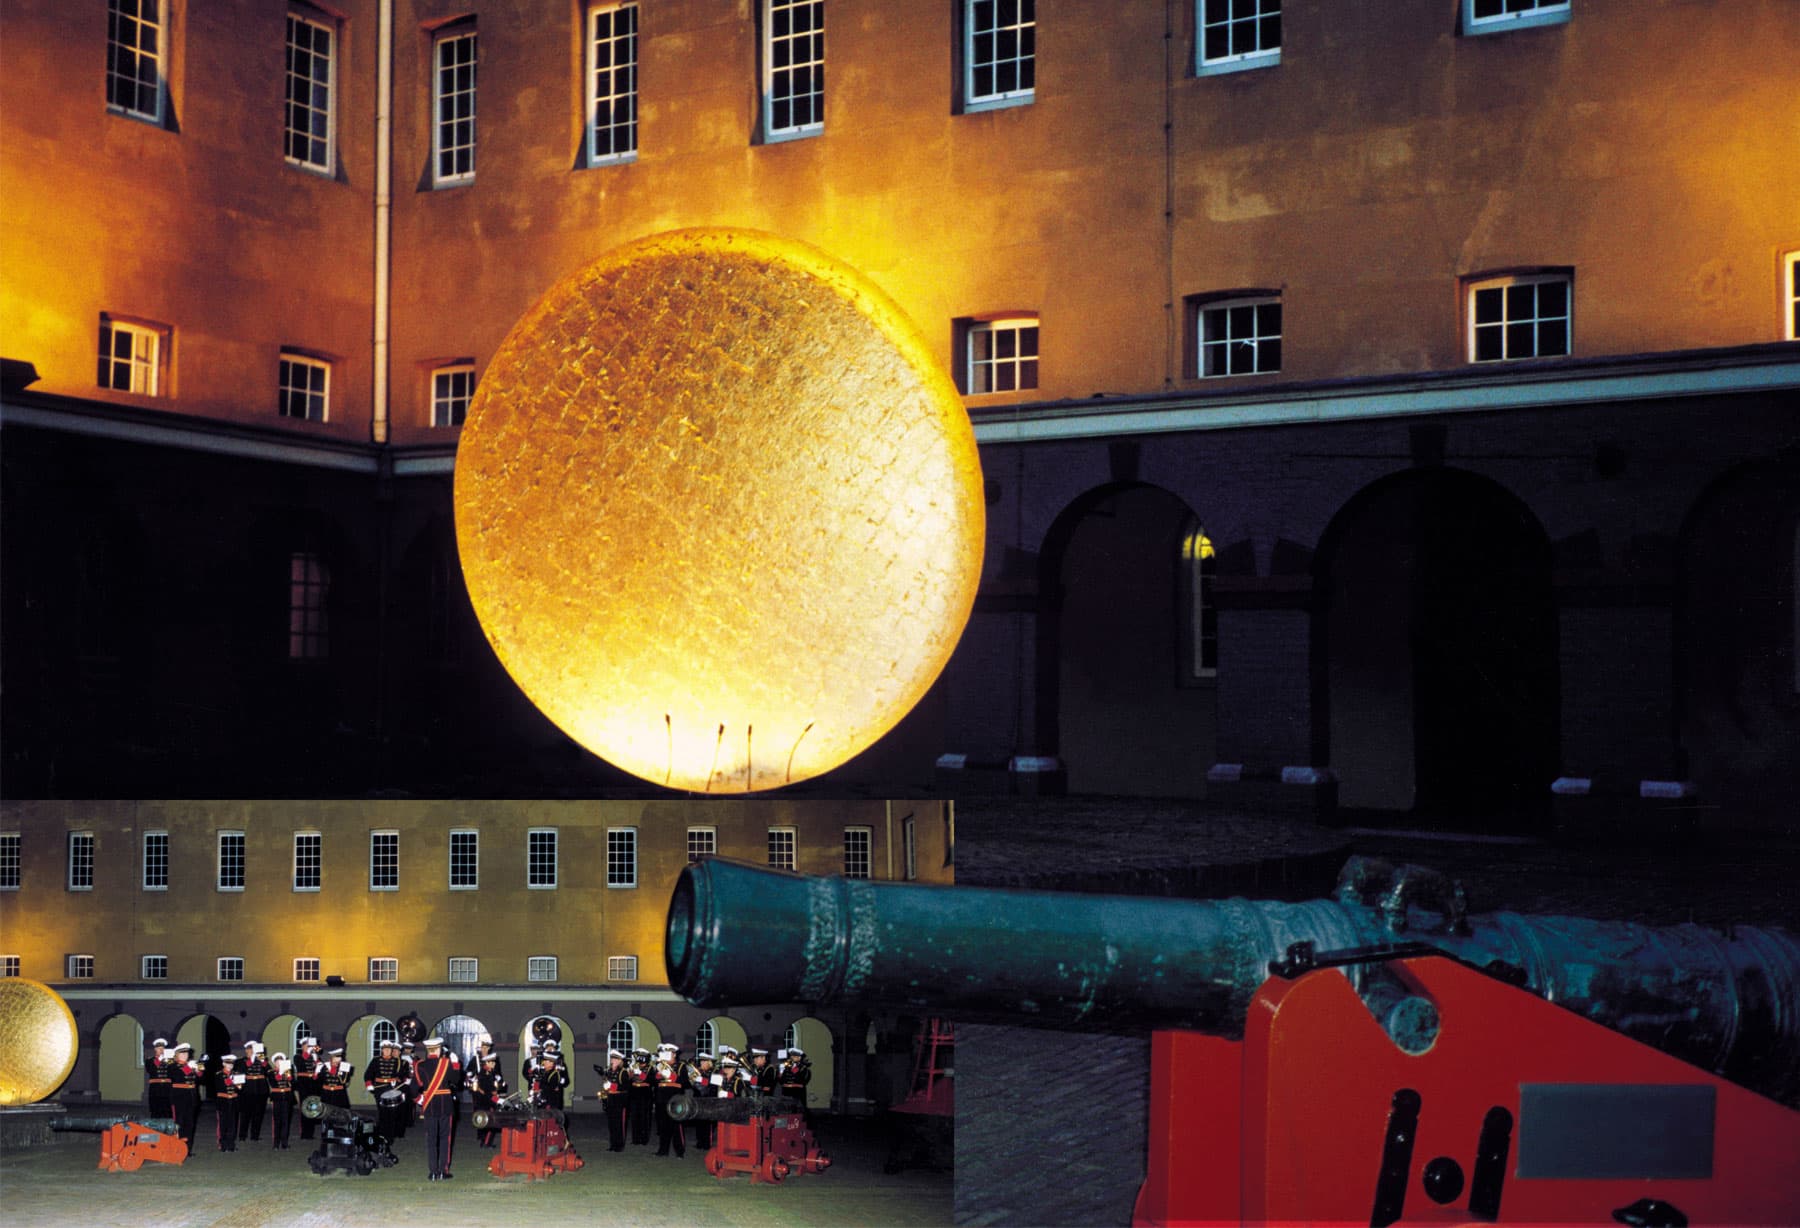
(1435, 664)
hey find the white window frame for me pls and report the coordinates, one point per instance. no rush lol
(1221, 308)
(910, 845)
(770, 40)
(536, 966)
(229, 964)
(1199, 563)
(618, 152)
(144, 862)
(84, 861)
(219, 861)
(554, 854)
(318, 866)
(384, 970)
(374, 838)
(1502, 282)
(307, 970)
(972, 100)
(447, 39)
(78, 967)
(452, 388)
(1790, 296)
(778, 836)
(12, 860)
(866, 852)
(705, 1037)
(382, 1030)
(708, 841)
(622, 857)
(622, 1035)
(318, 21)
(142, 365)
(309, 606)
(1253, 12)
(1016, 362)
(148, 971)
(11, 965)
(286, 389)
(1542, 13)
(463, 963)
(157, 58)
(450, 853)
(621, 967)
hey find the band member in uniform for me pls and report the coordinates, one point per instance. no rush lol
(668, 1079)
(794, 1075)
(548, 1079)
(255, 1101)
(640, 1097)
(156, 1079)
(436, 1083)
(761, 1074)
(384, 1079)
(225, 1100)
(306, 1079)
(281, 1098)
(486, 1089)
(334, 1080)
(184, 1092)
(735, 1083)
(409, 1112)
(612, 1095)
(705, 1083)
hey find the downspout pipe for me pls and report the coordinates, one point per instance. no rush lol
(384, 209)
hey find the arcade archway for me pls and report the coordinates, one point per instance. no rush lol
(122, 1060)
(815, 1038)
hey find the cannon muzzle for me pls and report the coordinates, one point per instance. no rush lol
(738, 934)
(685, 1106)
(97, 1125)
(512, 1112)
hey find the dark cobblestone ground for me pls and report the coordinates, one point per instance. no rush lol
(1051, 1125)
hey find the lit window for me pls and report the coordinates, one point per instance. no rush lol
(540, 857)
(1002, 355)
(154, 968)
(782, 841)
(1200, 647)
(307, 860)
(702, 842)
(453, 108)
(909, 844)
(612, 134)
(81, 861)
(130, 357)
(621, 857)
(540, 968)
(443, 601)
(1240, 336)
(621, 967)
(134, 58)
(1236, 34)
(306, 969)
(9, 861)
(451, 389)
(999, 51)
(622, 1036)
(384, 861)
(384, 1030)
(856, 852)
(80, 967)
(231, 861)
(790, 1039)
(464, 969)
(1495, 16)
(304, 389)
(1790, 294)
(307, 128)
(384, 968)
(231, 968)
(9, 965)
(1519, 317)
(705, 1037)
(793, 68)
(309, 623)
(156, 861)
(465, 860)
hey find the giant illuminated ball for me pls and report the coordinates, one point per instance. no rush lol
(719, 510)
(38, 1041)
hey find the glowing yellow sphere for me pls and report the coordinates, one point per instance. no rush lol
(38, 1041)
(719, 511)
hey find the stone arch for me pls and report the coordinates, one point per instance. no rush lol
(647, 1035)
(282, 1035)
(359, 1039)
(462, 1036)
(565, 1039)
(122, 1060)
(728, 1031)
(816, 1039)
(210, 1038)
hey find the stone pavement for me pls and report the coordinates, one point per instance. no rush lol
(59, 1184)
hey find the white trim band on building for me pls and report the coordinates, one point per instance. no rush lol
(363, 991)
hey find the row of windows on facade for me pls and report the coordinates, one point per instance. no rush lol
(542, 860)
(995, 41)
(459, 969)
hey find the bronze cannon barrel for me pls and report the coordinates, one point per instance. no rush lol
(98, 1125)
(685, 1106)
(1728, 1002)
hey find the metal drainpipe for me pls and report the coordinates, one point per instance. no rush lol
(384, 205)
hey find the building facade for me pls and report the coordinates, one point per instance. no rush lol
(1394, 401)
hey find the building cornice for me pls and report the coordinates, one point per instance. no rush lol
(297, 993)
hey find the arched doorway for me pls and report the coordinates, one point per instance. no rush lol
(721, 1030)
(211, 1040)
(565, 1039)
(282, 1035)
(1125, 701)
(633, 1032)
(122, 1060)
(462, 1036)
(815, 1038)
(361, 1042)
(1436, 652)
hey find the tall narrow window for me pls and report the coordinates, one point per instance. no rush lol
(1496, 16)
(384, 969)
(153, 968)
(307, 860)
(702, 842)
(304, 388)
(130, 357)
(453, 107)
(1237, 34)
(856, 852)
(1520, 317)
(384, 861)
(621, 857)
(385, 1031)
(1002, 355)
(910, 845)
(465, 860)
(1790, 295)
(612, 45)
(999, 53)
(81, 861)
(311, 83)
(231, 861)
(156, 861)
(540, 857)
(9, 860)
(1239, 336)
(134, 58)
(79, 967)
(1200, 644)
(231, 968)
(793, 68)
(705, 1037)
(452, 388)
(782, 842)
(309, 625)
(621, 1036)
(443, 604)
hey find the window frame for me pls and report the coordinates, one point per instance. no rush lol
(867, 851)
(284, 391)
(378, 834)
(152, 367)
(710, 840)
(159, 58)
(772, 135)
(243, 866)
(617, 963)
(1543, 13)
(304, 964)
(909, 840)
(625, 1042)
(384, 970)
(591, 128)
(147, 971)
(450, 852)
(11, 965)
(1790, 296)
(12, 860)
(1013, 322)
(219, 968)
(144, 861)
(309, 607)
(1221, 305)
(792, 839)
(1263, 57)
(533, 963)
(84, 839)
(318, 20)
(75, 971)
(1504, 281)
(474, 970)
(972, 102)
(450, 411)
(555, 869)
(318, 861)
(442, 39)
(625, 849)
(1199, 606)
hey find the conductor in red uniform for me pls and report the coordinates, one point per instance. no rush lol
(437, 1081)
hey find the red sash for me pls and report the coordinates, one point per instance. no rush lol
(438, 1076)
